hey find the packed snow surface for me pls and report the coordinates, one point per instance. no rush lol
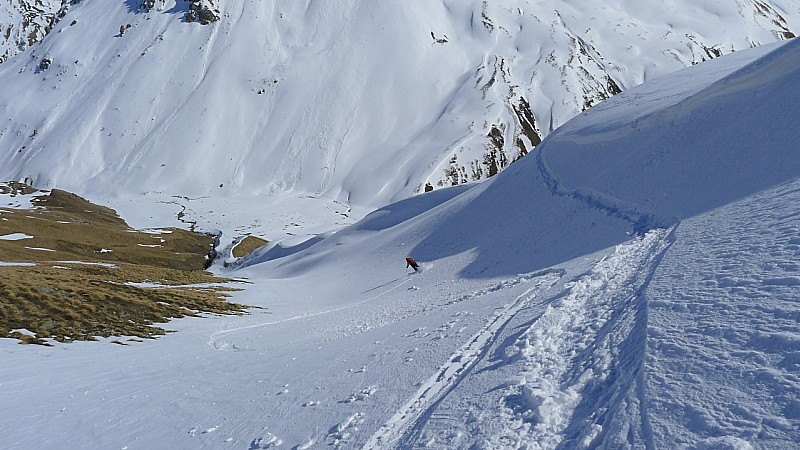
(632, 284)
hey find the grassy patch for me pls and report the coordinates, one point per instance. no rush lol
(248, 245)
(135, 279)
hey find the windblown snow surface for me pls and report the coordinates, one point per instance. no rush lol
(632, 284)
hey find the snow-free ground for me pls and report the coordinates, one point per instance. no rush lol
(633, 284)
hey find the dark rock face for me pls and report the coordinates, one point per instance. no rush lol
(28, 23)
(45, 63)
(203, 11)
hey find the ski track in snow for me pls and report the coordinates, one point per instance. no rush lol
(215, 337)
(640, 219)
(575, 346)
(584, 353)
(456, 368)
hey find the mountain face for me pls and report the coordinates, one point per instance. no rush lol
(230, 96)
(633, 283)
(25, 23)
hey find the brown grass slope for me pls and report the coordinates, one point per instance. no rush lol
(63, 299)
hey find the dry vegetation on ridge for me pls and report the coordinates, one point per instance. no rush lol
(247, 246)
(91, 275)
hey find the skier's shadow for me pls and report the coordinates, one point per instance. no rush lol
(380, 286)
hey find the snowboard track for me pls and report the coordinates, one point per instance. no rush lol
(640, 220)
(213, 340)
(409, 438)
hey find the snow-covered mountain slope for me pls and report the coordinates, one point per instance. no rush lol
(360, 102)
(662, 152)
(561, 305)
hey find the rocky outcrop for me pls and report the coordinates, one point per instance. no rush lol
(23, 23)
(203, 11)
(772, 18)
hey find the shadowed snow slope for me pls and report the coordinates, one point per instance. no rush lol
(733, 138)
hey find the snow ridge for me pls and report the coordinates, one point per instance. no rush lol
(640, 219)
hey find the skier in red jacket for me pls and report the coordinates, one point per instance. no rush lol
(413, 264)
